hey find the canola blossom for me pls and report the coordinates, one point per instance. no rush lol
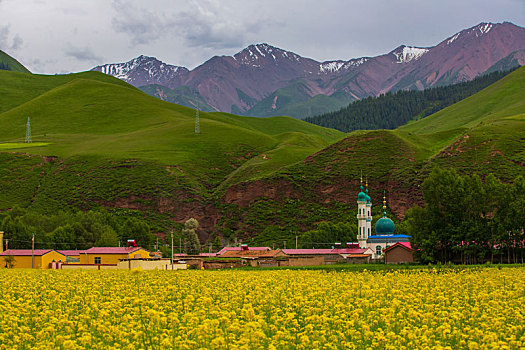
(232, 309)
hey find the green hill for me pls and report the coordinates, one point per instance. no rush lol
(91, 114)
(101, 142)
(9, 63)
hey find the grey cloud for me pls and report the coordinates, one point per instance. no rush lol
(17, 42)
(6, 43)
(82, 53)
(203, 24)
(142, 25)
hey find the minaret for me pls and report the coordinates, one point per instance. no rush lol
(362, 218)
(368, 213)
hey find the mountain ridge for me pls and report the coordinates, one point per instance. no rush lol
(240, 82)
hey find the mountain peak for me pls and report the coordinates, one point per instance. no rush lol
(263, 51)
(480, 30)
(142, 70)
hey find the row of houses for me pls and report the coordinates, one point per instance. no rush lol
(400, 252)
(134, 257)
(93, 258)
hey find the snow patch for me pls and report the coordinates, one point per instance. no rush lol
(330, 67)
(409, 53)
(484, 29)
(451, 40)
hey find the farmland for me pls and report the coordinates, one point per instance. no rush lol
(421, 308)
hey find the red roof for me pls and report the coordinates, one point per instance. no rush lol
(112, 250)
(405, 245)
(229, 249)
(28, 252)
(323, 251)
(71, 252)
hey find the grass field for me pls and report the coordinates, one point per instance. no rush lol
(97, 115)
(231, 309)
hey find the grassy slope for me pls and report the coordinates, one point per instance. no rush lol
(13, 64)
(93, 114)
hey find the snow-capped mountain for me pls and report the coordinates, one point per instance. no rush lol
(265, 80)
(145, 70)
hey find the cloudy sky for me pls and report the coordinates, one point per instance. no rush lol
(59, 36)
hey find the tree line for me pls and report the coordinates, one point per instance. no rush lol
(391, 110)
(72, 230)
(467, 220)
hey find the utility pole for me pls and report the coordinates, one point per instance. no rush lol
(6, 244)
(295, 242)
(33, 250)
(172, 249)
(284, 242)
(28, 131)
(180, 245)
(197, 124)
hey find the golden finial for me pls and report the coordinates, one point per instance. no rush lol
(384, 203)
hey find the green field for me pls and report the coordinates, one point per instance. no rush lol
(19, 145)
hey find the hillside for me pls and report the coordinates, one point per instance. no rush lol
(9, 63)
(100, 142)
(93, 120)
(482, 134)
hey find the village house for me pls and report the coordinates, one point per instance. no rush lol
(399, 253)
(27, 258)
(111, 255)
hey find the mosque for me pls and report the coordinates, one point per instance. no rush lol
(384, 236)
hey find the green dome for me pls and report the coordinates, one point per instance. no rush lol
(368, 199)
(385, 226)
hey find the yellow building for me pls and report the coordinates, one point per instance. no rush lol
(27, 258)
(111, 255)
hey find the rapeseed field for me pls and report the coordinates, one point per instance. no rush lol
(232, 309)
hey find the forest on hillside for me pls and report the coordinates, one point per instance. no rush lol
(391, 110)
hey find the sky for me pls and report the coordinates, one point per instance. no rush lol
(62, 36)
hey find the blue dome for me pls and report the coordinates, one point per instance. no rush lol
(361, 197)
(385, 226)
(368, 199)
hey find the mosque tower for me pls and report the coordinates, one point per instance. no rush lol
(364, 217)
(368, 213)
